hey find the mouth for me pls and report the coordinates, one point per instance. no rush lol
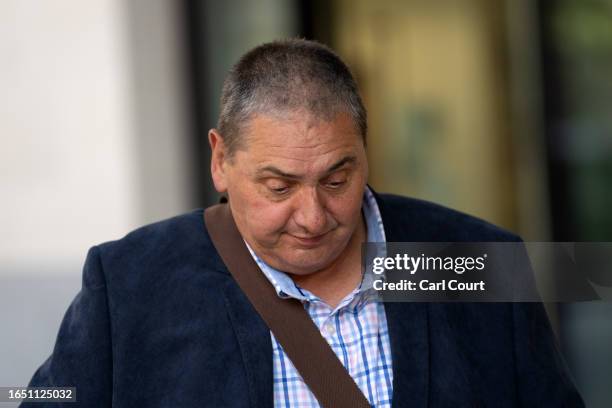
(310, 241)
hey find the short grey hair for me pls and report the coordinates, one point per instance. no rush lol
(284, 76)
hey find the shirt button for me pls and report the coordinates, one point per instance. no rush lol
(330, 329)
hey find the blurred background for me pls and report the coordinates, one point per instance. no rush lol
(498, 108)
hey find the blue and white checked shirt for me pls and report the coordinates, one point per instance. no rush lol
(356, 330)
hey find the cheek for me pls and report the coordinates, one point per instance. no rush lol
(266, 220)
(347, 209)
(347, 215)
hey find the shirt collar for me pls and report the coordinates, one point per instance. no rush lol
(284, 285)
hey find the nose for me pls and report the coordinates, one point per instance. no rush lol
(309, 214)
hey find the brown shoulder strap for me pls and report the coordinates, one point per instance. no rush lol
(292, 326)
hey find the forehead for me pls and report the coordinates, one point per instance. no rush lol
(300, 135)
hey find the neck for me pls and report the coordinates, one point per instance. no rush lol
(334, 282)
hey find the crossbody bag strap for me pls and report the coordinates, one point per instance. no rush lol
(289, 322)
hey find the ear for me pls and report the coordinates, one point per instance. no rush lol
(217, 160)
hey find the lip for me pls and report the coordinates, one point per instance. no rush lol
(310, 241)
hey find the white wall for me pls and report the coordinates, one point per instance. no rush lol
(92, 145)
(66, 175)
(92, 128)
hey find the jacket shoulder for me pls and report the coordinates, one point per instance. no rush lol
(181, 240)
(413, 219)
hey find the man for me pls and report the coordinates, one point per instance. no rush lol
(161, 322)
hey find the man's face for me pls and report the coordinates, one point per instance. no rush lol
(295, 188)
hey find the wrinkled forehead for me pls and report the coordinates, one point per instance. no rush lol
(299, 129)
(300, 142)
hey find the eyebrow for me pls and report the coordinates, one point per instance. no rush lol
(331, 169)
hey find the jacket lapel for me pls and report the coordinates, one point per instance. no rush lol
(407, 323)
(408, 333)
(255, 345)
(252, 335)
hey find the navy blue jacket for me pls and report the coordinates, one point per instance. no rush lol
(160, 322)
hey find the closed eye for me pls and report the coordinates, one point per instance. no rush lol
(280, 190)
(335, 184)
(278, 187)
(336, 181)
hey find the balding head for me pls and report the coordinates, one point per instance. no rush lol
(285, 76)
